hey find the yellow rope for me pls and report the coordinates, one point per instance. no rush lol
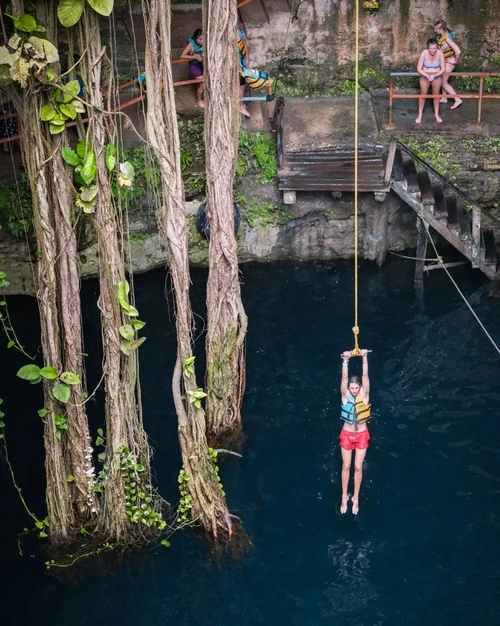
(355, 330)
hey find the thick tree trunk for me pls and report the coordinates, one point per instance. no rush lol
(125, 436)
(70, 504)
(209, 506)
(227, 321)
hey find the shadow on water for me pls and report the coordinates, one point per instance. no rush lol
(423, 548)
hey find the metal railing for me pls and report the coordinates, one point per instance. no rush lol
(480, 96)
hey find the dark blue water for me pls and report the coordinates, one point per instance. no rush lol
(423, 549)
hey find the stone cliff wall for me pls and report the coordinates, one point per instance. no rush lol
(321, 42)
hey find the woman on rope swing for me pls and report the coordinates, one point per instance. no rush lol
(355, 412)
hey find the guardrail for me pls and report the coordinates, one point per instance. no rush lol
(480, 96)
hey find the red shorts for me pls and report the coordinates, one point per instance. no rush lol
(354, 441)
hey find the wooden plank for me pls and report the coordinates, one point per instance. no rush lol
(294, 185)
(425, 186)
(312, 168)
(331, 176)
(397, 169)
(410, 175)
(390, 162)
(308, 157)
(490, 251)
(452, 214)
(440, 210)
(464, 225)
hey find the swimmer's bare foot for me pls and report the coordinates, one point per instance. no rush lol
(244, 111)
(200, 104)
(355, 506)
(438, 119)
(443, 100)
(418, 120)
(458, 102)
(343, 506)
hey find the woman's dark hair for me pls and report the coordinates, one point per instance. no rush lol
(354, 379)
(197, 34)
(432, 41)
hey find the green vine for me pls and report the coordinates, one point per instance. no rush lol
(41, 525)
(213, 457)
(139, 505)
(128, 332)
(10, 333)
(186, 501)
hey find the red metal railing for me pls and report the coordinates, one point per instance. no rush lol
(480, 96)
(130, 83)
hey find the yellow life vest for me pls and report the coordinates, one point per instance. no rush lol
(448, 51)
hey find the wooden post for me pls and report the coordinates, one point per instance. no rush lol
(476, 236)
(422, 238)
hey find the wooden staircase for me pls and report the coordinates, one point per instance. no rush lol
(454, 215)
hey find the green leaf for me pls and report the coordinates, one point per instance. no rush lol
(71, 89)
(61, 392)
(99, 441)
(14, 42)
(125, 347)
(123, 291)
(126, 174)
(47, 112)
(42, 535)
(103, 7)
(42, 412)
(70, 478)
(69, 110)
(25, 23)
(88, 170)
(70, 156)
(110, 156)
(88, 194)
(55, 129)
(127, 332)
(58, 120)
(135, 344)
(58, 434)
(79, 106)
(49, 373)
(69, 12)
(69, 378)
(101, 457)
(100, 432)
(29, 372)
(19, 71)
(137, 324)
(81, 149)
(11, 344)
(46, 50)
(88, 207)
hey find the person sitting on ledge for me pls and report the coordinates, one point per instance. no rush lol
(430, 66)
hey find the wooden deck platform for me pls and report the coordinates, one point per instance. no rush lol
(316, 146)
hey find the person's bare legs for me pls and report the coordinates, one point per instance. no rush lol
(448, 88)
(436, 90)
(424, 88)
(243, 109)
(199, 96)
(359, 457)
(346, 468)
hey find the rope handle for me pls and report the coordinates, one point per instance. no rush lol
(356, 353)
